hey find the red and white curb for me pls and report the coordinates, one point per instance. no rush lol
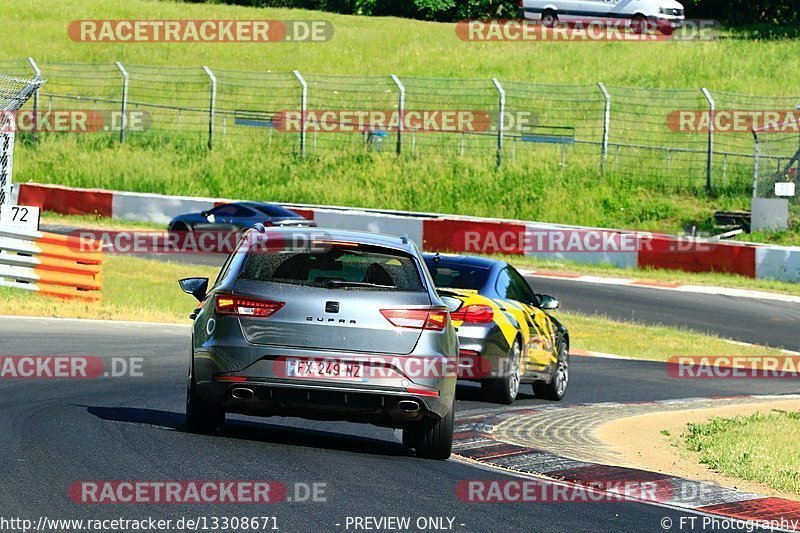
(475, 441)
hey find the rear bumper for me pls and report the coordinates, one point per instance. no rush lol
(483, 352)
(325, 402)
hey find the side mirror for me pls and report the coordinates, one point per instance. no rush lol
(452, 303)
(547, 302)
(197, 287)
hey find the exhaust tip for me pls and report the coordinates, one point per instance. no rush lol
(241, 393)
(410, 407)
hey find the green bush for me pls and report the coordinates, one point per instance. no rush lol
(744, 12)
(439, 10)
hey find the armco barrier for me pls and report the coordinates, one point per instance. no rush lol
(464, 235)
(698, 255)
(55, 265)
(598, 246)
(439, 232)
(778, 262)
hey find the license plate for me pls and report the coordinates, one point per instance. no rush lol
(326, 370)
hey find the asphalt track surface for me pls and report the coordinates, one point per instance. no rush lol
(767, 322)
(57, 432)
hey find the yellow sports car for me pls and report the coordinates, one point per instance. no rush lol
(505, 336)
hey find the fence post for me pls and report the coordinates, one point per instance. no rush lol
(211, 106)
(38, 73)
(712, 106)
(501, 120)
(756, 157)
(303, 111)
(401, 109)
(123, 118)
(606, 124)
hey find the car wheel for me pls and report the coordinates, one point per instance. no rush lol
(431, 440)
(639, 25)
(505, 389)
(666, 29)
(557, 387)
(549, 18)
(179, 227)
(200, 416)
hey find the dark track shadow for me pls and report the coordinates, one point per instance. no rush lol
(471, 392)
(255, 432)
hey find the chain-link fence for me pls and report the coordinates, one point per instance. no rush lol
(640, 134)
(777, 161)
(14, 92)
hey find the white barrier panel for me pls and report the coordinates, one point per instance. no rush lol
(778, 262)
(156, 208)
(375, 223)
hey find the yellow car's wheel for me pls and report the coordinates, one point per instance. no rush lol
(506, 388)
(557, 387)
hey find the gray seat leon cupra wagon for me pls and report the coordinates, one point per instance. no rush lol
(326, 325)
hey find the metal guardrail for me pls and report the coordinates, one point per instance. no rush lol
(55, 265)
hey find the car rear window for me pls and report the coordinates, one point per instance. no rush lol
(336, 266)
(458, 276)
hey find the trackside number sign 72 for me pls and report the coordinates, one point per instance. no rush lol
(19, 217)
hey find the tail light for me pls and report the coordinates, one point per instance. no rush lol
(474, 314)
(231, 304)
(419, 390)
(432, 319)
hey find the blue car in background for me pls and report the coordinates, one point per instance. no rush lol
(238, 216)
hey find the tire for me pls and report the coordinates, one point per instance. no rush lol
(504, 390)
(200, 416)
(557, 388)
(179, 227)
(432, 440)
(639, 25)
(666, 29)
(549, 18)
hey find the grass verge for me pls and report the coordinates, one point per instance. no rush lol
(405, 47)
(756, 447)
(133, 289)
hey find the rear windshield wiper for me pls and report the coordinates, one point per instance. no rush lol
(359, 284)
